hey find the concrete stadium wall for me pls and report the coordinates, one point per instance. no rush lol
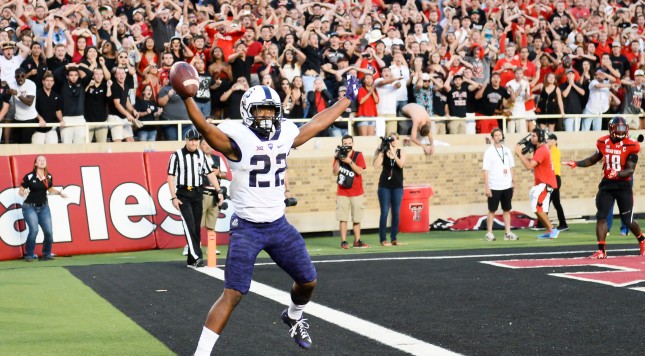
(454, 172)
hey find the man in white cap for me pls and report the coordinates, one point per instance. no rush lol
(633, 100)
(618, 60)
(10, 62)
(11, 32)
(139, 16)
(423, 93)
(393, 37)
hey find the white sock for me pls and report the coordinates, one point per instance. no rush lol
(295, 311)
(206, 342)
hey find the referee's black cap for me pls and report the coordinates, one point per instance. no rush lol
(192, 134)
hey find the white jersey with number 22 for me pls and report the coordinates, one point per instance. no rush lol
(257, 188)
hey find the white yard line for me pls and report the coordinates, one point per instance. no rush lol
(362, 327)
(496, 255)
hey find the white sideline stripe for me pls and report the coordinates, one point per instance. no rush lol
(362, 327)
(496, 255)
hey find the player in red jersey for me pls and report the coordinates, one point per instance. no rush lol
(619, 154)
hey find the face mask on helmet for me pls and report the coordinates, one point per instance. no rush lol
(265, 119)
(618, 129)
(261, 110)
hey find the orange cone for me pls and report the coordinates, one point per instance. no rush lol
(211, 249)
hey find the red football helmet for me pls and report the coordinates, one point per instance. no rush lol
(618, 129)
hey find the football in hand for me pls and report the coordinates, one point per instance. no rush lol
(184, 79)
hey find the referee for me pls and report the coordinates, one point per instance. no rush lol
(185, 170)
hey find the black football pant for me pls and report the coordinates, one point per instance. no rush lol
(191, 217)
(555, 199)
(624, 199)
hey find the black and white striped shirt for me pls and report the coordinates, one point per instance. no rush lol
(188, 167)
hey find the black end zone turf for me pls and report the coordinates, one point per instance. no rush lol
(459, 304)
(176, 317)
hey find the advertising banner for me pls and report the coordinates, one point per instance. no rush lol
(10, 214)
(116, 202)
(108, 208)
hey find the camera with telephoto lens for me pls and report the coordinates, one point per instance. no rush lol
(342, 151)
(527, 145)
(291, 202)
(385, 144)
(213, 192)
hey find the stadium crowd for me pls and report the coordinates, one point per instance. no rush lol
(75, 61)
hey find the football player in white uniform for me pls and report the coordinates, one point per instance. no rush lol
(256, 149)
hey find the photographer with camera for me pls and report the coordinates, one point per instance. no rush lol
(390, 185)
(213, 196)
(349, 166)
(542, 167)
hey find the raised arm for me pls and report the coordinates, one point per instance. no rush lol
(215, 137)
(177, 10)
(325, 118)
(151, 15)
(321, 121)
(49, 42)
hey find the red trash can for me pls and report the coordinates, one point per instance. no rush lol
(415, 209)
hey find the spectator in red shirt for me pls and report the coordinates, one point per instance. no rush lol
(560, 72)
(580, 11)
(603, 45)
(507, 65)
(139, 20)
(318, 99)
(528, 66)
(367, 100)
(543, 67)
(200, 49)
(371, 62)
(634, 56)
(227, 36)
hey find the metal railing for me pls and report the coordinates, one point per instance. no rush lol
(350, 121)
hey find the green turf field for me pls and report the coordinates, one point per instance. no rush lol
(44, 310)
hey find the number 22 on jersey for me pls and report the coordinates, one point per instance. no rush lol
(262, 176)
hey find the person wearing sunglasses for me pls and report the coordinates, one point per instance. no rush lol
(25, 99)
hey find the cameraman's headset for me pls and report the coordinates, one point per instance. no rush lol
(541, 134)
